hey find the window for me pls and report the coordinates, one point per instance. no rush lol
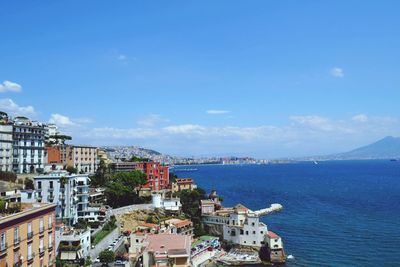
(39, 184)
(247, 232)
(16, 235)
(50, 221)
(41, 225)
(51, 185)
(252, 224)
(29, 229)
(50, 241)
(254, 232)
(30, 251)
(254, 242)
(3, 241)
(41, 244)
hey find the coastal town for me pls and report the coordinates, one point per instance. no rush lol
(77, 205)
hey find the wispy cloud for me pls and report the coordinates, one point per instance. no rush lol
(337, 72)
(9, 106)
(8, 86)
(217, 111)
(121, 57)
(151, 120)
(304, 134)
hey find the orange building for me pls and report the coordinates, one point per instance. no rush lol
(27, 238)
(157, 175)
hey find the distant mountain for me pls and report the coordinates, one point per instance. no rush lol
(386, 148)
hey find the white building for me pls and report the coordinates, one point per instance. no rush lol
(241, 225)
(28, 145)
(71, 197)
(6, 147)
(169, 204)
(74, 244)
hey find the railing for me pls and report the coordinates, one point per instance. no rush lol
(41, 251)
(31, 257)
(50, 247)
(30, 235)
(50, 226)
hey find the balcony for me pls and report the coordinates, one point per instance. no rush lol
(50, 226)
(50, 247)
(50, 198)
(41, 251)
(16, 241)
(30, 235)
(30, 258)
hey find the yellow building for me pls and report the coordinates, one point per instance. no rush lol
(27, 238)
(183, 184)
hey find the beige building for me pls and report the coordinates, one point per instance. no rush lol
(161, 250)
(84, 158)
(183, 184)
(27, 238)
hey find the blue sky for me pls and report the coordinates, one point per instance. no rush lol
(259, 78)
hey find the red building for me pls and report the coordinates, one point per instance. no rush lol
(157, 175)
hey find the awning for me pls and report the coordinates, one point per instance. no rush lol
(80, 256)
(69, 255)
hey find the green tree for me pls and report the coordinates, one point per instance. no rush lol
(190, 206)
(29, 184)
(101, 177)
(122, 188)
(72, 169)
(107, 256)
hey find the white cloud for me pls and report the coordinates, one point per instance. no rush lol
(60, 120)
(360, 118)
(337, 72)
(8, 86)
(9, 106)
(151, 120)
(303, 135)
(217, 111)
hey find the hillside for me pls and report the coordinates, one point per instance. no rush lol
(386, 148)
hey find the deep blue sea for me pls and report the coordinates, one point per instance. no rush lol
(336, 213)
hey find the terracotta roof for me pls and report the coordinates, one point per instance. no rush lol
(168, 242)
(184, 181)
(178, 222)
(272, 234)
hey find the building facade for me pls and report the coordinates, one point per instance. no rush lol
(28, 145)
(6, 147)
(183, 184)
(27, 238)
(157, 175)
(83, 158)
(69, 192)
(74, 244)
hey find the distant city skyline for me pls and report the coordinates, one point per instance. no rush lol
(262, 79)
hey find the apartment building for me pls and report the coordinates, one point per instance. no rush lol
(6, 146)
(27, 238)
(83, 158)
(183, 184)
(160, 249)
(69, 192)
(74, 244)
(28, 145)
(157, 175)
